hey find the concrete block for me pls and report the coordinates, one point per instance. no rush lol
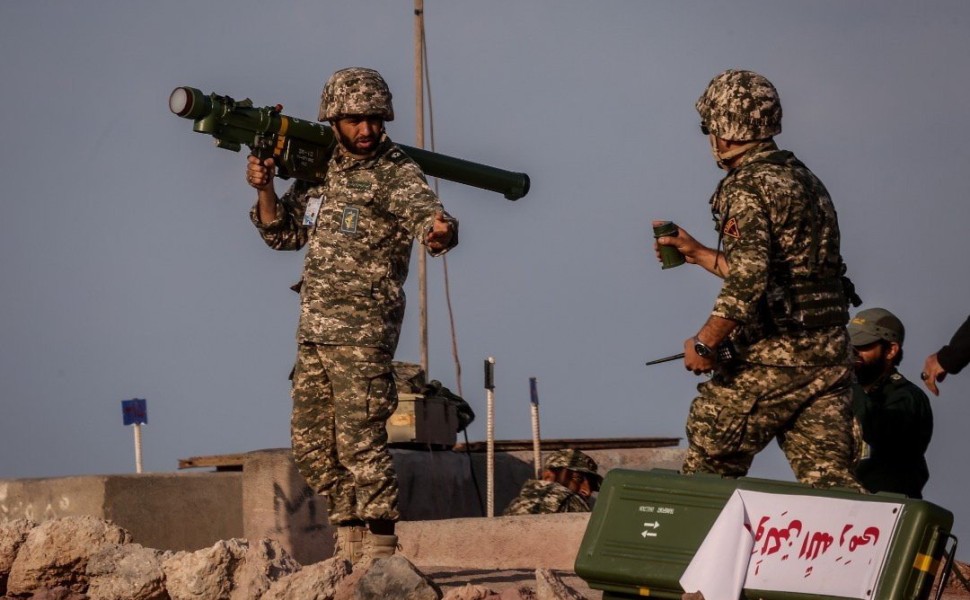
(168, 511)
(521, 542)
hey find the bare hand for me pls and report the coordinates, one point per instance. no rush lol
(259, 174)
(683, 242)
(932, 373)
(694, 362)
(441, 233)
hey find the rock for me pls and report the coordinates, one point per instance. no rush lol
(56, 553)
(264, 563)
(318, 581)
(523, 592)
(203, 574)
(471, 592)
(229, 570)
(550, 587)
(126, 572)
(393, 577)
(57, 593)
(12, 536)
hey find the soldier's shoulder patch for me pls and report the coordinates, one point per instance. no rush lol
(731, 228)
(397, 156)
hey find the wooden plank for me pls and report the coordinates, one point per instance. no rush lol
(234, 462)
(577, 443)
(222, 462)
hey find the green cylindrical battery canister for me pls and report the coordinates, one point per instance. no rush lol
(670, 257)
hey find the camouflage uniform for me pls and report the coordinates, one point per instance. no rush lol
(351, 309)
(541, 497)
(544, 497)
(780, 236)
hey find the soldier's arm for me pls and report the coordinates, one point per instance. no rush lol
(420, 211)
(280, 220)
(746, 239)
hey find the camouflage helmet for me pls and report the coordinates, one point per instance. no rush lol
(574, 460)
(356, 91)
(740, 106)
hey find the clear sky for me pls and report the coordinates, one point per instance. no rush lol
(130, 269)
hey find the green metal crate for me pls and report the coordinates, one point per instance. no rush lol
(647, 526)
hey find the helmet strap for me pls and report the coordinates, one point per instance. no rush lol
(722, 158)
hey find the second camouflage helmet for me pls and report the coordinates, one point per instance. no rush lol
(740, 106)
(356, 91)
(574, 460)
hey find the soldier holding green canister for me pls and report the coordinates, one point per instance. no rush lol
(358, 224)
(783, 302)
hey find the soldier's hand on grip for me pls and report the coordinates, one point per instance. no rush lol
(694, 362)
(259, 174)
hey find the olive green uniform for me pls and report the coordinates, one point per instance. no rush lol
(896, 423)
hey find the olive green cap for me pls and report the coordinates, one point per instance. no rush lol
(874, 324)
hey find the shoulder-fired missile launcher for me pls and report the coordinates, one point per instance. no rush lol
(301, 148)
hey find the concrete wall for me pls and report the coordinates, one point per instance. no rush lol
(270, 499)
(184, 511)
(278, 504)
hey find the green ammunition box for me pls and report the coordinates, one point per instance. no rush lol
(647, 526)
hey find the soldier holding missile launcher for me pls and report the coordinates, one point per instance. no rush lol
(358, 224)
(358, 202)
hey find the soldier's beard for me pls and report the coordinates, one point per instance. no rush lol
(354, 147)
(867, 373)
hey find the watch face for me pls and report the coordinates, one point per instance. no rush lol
(702, 350)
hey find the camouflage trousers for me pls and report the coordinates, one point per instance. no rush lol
(342, 398)
(807, 409)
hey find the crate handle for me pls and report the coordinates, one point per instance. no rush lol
(948, 566)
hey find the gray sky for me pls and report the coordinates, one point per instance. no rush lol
(129, 267)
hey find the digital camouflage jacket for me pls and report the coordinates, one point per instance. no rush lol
(357, 226)
(780, 235)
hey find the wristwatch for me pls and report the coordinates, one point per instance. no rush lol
(702, 349)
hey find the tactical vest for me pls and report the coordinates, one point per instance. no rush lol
(800, 301)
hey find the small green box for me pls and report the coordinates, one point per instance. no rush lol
(647, 526)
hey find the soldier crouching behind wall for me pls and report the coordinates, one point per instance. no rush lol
(569, 478)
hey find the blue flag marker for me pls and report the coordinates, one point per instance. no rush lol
(134, 411)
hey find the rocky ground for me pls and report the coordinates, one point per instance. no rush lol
(85, 558)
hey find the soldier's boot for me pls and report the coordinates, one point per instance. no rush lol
(350, 542)
(379, 546)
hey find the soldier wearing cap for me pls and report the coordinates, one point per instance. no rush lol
(569, 478)
(894, 420)
(357, 225)
(783, 302)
